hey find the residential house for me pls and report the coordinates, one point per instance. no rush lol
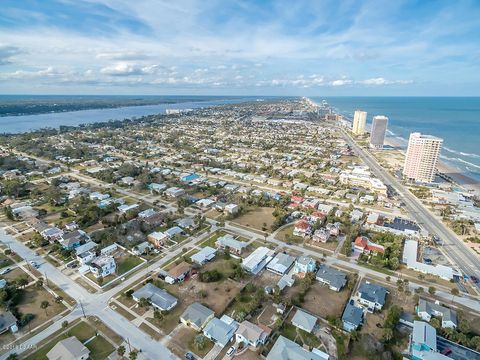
(8, 322)
(174, 231)
(69, 349)
(126, 208)
(257, 260)
(142, 248)
(103, 266)
(220, 331)
(304, 321)
(159, 298)
(154, 219)
(302, 228)
(74, 239)
(157, 238)
(335, 279)
(196, 316)
(285, 349)
(372, 295)
(146, 213)
(281, 263)
(317, 216)
(426, 309)
(321, 235)
(203, 256)
(423, 344)
(205, 203)
(174, 192)
(178, 273)
(229, 242)
(231, 209)
(251, 334)
(352, 317)
(356, 216)
(304, 265)
(364, 245)
(186, 223)
(52, 234)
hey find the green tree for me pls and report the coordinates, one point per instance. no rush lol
(200, 341)
(44, 305)
(121, 350)
(432, 290)
(454, 292)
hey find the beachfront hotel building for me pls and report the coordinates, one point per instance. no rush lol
(377, 134)
(422, 157)
(359, 122)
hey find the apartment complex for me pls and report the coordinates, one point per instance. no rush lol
(359, 122)
(377, 134)
(422, 157)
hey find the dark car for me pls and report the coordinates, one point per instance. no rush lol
(474, 279)
(446, 351)
(189, 356)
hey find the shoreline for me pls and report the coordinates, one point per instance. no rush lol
(457, 176)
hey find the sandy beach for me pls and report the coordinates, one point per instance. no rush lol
(456, 175)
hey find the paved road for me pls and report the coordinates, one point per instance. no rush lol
(97, 304)
(466, 261)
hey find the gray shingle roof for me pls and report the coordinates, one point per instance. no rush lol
(373, 292)
(333, 277)
(157, 296)
(285, 349)
(304, 320)
(352, 314)
(197, 314)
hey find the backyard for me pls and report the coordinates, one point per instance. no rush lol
(323, 302)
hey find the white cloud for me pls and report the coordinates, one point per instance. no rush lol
(383, 81)
(341, 82)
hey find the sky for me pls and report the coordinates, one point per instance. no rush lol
(237, 47)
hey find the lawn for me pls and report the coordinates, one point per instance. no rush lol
(31, 298)
(82, 332)
(259, 218)
(5, 261)
(183, 341)
(99, 348)
(323, 302)
(299, 336)
(125, 264)
(286, 235)
(213, 238)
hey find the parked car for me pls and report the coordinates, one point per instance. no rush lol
(231, 351)
(474, 279)
(446, 351)
(189, 356)
(34, 264)
(5, 270)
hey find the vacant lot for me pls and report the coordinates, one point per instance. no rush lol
(31, 299)
(323, 302)
(259, 218)
(126, 263)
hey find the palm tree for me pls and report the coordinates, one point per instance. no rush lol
(44, 305)
(200, 342)
(388, 334)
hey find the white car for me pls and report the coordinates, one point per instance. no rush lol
(4, 271)
(231, 351)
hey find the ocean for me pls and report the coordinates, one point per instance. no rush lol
(454, 119)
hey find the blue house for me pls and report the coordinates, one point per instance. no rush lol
(352, 317)
(304, 265)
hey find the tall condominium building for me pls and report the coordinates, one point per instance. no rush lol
(359, 122)
(377, 134)
(422, 157)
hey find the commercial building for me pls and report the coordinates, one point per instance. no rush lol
(410, 255)
(377, 133)
(359, 122)
(422, 157)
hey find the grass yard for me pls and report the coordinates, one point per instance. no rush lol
(213, 238)
(99, 348)
(259, 218)
(126, 263)
(30, 302)
(286, 235)
(82, 332)
(323, 302)
(299, 336)
(5, 261)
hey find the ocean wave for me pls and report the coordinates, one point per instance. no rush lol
(459, 160)
(474, 156)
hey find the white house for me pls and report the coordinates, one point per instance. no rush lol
(103, 266)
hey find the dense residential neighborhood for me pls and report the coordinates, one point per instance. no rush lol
(184, 235)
